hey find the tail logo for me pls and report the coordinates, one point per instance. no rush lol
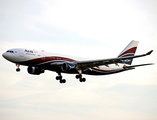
(129, 51)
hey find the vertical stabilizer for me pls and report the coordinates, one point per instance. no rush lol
(129, 51)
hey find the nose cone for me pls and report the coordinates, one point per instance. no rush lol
(4, 55)
(11, 55)
(8, 56)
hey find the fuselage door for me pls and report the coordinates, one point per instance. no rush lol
(43, 55)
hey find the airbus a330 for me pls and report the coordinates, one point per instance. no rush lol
(39, 61)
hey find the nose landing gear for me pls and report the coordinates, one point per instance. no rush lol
(17, 69)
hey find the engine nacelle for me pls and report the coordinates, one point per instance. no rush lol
(69, 67)
(35, 70)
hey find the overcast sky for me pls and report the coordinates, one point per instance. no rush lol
(87, 28)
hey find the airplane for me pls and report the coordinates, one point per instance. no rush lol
(39, 61)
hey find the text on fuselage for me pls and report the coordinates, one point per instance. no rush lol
(29, 51)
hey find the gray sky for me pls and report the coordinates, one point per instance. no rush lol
(86, 28)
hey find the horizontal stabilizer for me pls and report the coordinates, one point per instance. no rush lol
(149, 52)
(133, 66)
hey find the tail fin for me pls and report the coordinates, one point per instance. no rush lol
(129, 51)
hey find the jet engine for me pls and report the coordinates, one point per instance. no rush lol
(69, 67)
(35, 70)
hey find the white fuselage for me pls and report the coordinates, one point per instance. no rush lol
(39, 61)
(40, 58)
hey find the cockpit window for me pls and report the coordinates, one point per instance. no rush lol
(10, 51)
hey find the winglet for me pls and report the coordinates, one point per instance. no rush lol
(149, 52)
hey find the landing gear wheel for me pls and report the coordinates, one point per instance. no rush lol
(63, 81)
(82, 79)
(78, 76)
(58, 77)
(18, 70)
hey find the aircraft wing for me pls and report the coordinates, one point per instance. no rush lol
(82, 65)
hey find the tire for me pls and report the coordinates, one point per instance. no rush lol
(58, 77)
(83, 79)
(63, 81)
(18, 70)
(77, 76)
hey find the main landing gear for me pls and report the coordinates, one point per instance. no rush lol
(59, 77)
(17, 69)
(79, 76)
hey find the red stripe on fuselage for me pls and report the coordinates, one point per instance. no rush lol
(132, 50)
(45, 60)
